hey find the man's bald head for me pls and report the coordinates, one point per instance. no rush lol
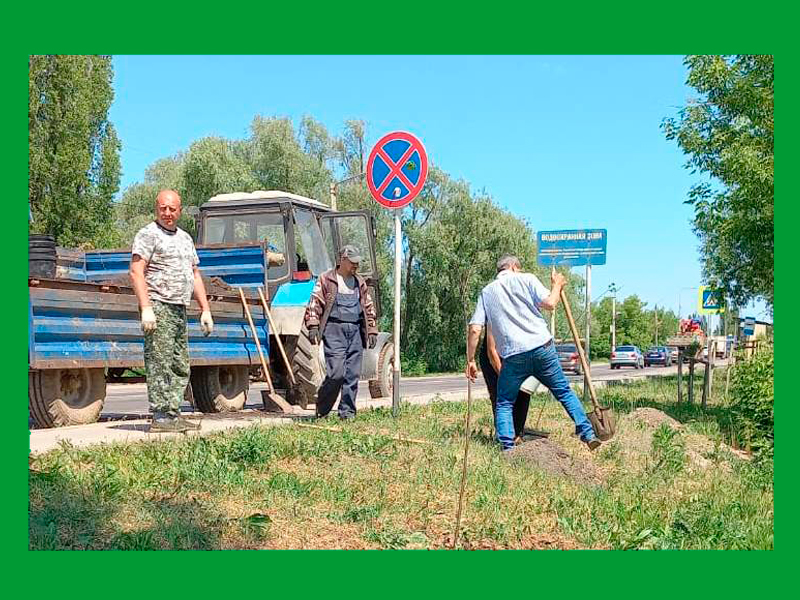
(168, 208)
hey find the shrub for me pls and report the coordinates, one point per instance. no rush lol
(752, 397)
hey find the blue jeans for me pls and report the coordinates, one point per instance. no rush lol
(542, 363)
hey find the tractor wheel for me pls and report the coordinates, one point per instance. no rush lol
(220, 389)
(58, 397)
(308, 368)
(381, 387)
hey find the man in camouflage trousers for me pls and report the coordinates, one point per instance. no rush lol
(164, 274)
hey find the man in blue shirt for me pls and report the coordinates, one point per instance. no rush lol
(510, 304)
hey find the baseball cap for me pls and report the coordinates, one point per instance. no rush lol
(351, 253)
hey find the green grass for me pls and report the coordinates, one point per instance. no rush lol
(291, 487)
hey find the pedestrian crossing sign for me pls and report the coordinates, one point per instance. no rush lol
(710, 301)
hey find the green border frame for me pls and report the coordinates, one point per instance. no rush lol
(346, 28)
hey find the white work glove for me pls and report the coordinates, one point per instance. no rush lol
(206, 322)
(148, 319)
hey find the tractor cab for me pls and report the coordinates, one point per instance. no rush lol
(303, 235)
(303, 238)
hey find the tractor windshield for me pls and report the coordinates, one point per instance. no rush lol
(312, 254)
(250, 227)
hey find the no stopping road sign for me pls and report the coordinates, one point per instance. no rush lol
(396, 169)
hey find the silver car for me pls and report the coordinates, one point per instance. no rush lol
(568, 357)
(627, 356)
(673, 353)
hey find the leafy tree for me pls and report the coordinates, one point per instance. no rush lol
(74, 165)
(137, 206)
(728, 135)
(452, 237)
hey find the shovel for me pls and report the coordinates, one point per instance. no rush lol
(601, 418)
(271, 399)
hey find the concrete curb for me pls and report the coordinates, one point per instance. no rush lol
(136, 430)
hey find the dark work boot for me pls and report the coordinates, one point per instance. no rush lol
(593, 444)
(166, 423)
(188, 425)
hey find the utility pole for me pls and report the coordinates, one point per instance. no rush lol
(613, 317)
(655, 313)
(336, 184)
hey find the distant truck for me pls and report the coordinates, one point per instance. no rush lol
(723, 349)
(690, 339)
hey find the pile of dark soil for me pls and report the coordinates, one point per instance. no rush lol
(552, 458)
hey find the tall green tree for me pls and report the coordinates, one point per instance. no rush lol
(728, 134)
(74, 165)
(452, 237)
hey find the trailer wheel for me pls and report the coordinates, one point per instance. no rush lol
(381, 387)
(308, 368)
(59, 397)
(220, 389)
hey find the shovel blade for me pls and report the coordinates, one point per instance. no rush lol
(275, 403)
(604, 424)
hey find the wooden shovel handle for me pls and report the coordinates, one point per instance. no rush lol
(277, 337)
(258, 343)
(584, 362)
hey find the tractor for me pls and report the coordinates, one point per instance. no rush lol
(306, 237)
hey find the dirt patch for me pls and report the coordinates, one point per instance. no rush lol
(635, 434)
(653, 417)
(552, 458)
(636, 437)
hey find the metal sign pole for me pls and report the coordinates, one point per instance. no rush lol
(397, 165)
(587, 377)
(398, 238)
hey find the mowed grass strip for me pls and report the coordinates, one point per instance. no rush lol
(669, 479)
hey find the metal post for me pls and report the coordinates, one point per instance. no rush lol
(588, 375)
(614, 321)
(398, 248)
(333, 196)
(553, 322)
(707, 375)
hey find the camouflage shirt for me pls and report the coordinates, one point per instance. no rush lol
(171, 259)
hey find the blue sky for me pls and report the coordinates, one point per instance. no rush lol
(567, 142)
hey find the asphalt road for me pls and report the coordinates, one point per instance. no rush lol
(130, 400)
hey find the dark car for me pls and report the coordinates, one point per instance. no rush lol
(568, 357)
(627, 356)
(658, 355)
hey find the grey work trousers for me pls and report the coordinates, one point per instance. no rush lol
(343, 353)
